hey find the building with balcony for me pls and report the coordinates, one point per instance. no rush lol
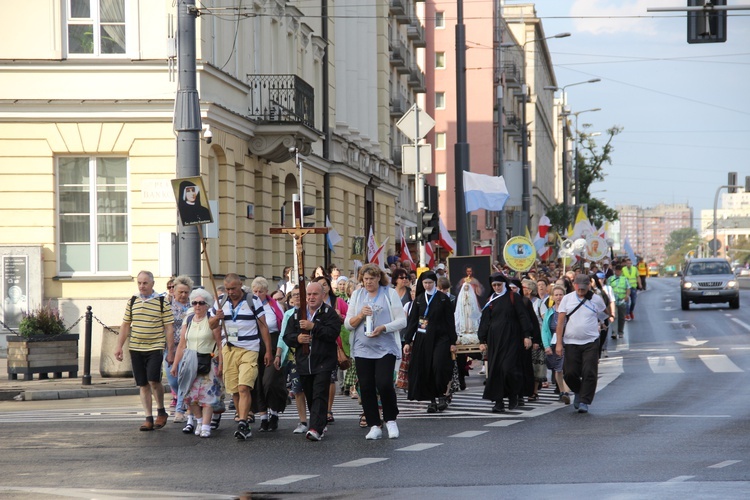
(87, 143)
(497, 48)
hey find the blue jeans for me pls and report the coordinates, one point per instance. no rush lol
(633, 294)
(173, 385)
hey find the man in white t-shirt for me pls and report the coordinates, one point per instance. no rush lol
(578, 319)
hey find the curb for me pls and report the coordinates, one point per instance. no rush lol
(77, 393)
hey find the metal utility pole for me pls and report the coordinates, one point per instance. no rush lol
(187, 123)
(502, 221)
(461, 149)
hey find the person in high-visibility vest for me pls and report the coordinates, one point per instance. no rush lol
(631, 273)
(642, 272)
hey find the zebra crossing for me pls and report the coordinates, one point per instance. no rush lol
(465, 404)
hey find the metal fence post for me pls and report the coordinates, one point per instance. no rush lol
(87, 348)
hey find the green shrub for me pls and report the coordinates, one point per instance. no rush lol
(45, 320)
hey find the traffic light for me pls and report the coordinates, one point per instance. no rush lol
(429, 225)
(708, 25)
(429, 221)
(732, 182)
(308, 211)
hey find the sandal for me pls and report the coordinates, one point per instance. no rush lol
(533, 397)
(363, 421)
(329, 418)
(188, 429)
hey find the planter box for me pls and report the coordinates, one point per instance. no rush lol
(42, 355)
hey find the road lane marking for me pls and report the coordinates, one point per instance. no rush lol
(361, 462)
(649, 350)
(700, 348)
(468, 434)
(609, 370)
(664, 364)
(719, 363)
(287, 480)
(725, 463)
(740, 348)
(419, 447)
(502, 423)
(741, 323)
(679, 479)
(685, 416)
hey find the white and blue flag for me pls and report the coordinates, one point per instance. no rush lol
(484, 191)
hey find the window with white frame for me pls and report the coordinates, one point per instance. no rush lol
(439, 60)
(96, 27)
(93, 215)
(439, 100)
(440, 140)
(439, 19)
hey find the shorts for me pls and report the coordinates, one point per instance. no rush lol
(555, 362)
(240, 368)
(146, 366)
(294, 383)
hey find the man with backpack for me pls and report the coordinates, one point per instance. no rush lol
(578, 319)
(149, 324)
(245, 327)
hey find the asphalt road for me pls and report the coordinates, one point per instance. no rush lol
(670, 421)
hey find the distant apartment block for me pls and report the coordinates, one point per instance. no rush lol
(648, 229)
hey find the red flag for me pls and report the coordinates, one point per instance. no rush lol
(430, 255)
(405, 253)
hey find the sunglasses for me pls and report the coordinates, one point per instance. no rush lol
(198, 303)
(170, 287)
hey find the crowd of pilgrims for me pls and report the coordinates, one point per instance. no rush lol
(398, 332)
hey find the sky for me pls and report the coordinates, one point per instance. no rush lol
(684, 108)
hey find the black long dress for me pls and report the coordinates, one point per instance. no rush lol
(503, 326)
(431, 364)
(527, 364)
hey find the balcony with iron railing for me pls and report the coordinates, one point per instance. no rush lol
(398, 54)
(283, 106)
(416, 80)
(415, 32)
(398, 106)
(398, 11)
(512, 75)
(281, 99)
(512, 124)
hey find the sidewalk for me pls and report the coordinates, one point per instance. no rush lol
(63, 388)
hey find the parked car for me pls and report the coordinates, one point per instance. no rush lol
(709, 281)
(742, 271)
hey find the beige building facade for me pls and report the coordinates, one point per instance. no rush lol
(87, 146)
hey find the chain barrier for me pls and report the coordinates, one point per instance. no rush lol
(44, 338)
(67, 330)
(106, 328)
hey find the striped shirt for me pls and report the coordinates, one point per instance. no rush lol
(242, 320)
(147, 319)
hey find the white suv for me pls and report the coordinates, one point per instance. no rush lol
(709, 281)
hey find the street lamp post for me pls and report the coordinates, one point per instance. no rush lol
(565, 168)
(525, 168)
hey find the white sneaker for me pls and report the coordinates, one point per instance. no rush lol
(205, 433)
(392, 429)
(375, 433)
(301, 429)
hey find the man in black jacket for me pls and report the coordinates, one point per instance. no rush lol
(318, 331)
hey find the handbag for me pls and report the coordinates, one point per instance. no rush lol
(402, 380)
(204, 363)
(344, 362)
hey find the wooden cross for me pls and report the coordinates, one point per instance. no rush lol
(298, 232)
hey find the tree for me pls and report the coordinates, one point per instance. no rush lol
(680, 242)
(681, 238)
(590, 162)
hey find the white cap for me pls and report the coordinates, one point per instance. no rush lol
(440, 266)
